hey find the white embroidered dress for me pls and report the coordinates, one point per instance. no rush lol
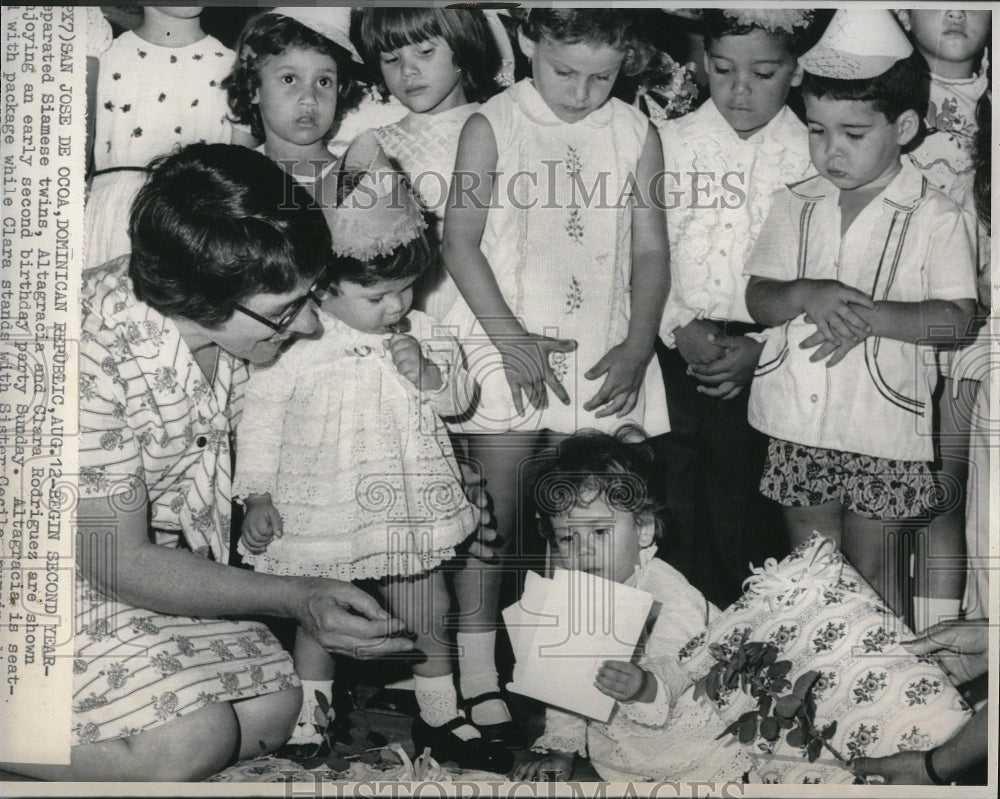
(424, 146)
(355, 458)
(559, 244)
(645, 741)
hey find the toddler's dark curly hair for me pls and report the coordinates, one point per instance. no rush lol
(589, 465)
(268, 35)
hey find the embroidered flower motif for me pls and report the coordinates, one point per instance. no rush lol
(126, 108)
(573, 161)
(784, 635)
(878, 640)
(866, 688)
(165, 378)
(828, 636)
(79, 665)
(184, 645)
(205, 698)
(136, 133)
(574, 226)
(116, 675)
(91, 703)
(250, 649)
(285, 681)
(826, 681)
(914, 741)
(97, 631)
(860, 739)
(263, 635)
(167, 664)
(166, 705)
(557, 360)
(173, 59)
(88, 733)
(918, 692)
(219, 647)
(257, 678)
(688, 648)
(116, 75)
(143, 625)
(230, 682)
(111, 440)
(574, 297)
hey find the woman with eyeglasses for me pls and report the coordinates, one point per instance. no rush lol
(169, 683)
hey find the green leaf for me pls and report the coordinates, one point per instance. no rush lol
(814, 749)
(829, 731)
(375, 739)
(796, 738)
(770, 655)
(804, 683)
(717, 651)
(784, 723)
(323, 703)
(787, 706)
(765, 704)
(319, 717)
(731, 674)
(769, 729)
(748, 727)
(779, 669)
(731, 729)
(699, 688)
(335, 763)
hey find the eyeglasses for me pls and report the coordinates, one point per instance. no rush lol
(315, 293)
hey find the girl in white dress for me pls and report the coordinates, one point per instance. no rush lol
(344, 464)
(441, 64)
(158, 88)
(558, 246)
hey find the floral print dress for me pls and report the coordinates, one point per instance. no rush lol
(559, 242)
(147, 414)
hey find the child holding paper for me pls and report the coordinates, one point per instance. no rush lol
(600, 515)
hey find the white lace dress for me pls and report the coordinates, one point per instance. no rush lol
(424, 146)
(562, 256)
(150, 99)
(355, 458)
(646, 741)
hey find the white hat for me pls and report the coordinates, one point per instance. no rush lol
(858, 43)
(332, 22)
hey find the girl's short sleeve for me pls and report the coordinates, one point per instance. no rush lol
(99, 33)
(778, 238)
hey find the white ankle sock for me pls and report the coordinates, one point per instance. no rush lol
(477, 674)
(929, 610)
(439, 704)
(307, 729)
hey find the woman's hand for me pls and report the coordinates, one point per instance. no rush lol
(261, 523)
(561, 763)
(346, 620)
(527, 369)
(625, 367)
(411, 363)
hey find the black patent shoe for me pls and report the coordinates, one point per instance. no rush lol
(300, 753)
(476, 754)
(506, 734)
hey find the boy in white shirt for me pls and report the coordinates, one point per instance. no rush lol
(867, 253)
(722, 163)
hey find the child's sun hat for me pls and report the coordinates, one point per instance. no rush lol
(332, 22)
(859, 43)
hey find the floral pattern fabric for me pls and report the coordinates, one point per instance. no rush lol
(149, 416)
(823, 616)
(559, 244)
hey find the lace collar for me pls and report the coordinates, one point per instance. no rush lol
(531, 103)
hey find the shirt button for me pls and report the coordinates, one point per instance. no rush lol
(201, 441)
(722, 252)
(815, 398)
(728, 225)
(718, 282)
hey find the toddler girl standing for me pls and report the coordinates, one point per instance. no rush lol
(441, 64)
(347, 471)
(158, 88)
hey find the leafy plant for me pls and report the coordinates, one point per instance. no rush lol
(755, 669)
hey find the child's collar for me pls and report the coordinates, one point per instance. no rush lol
(904, 192)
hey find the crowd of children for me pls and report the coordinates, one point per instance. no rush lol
(775, 294)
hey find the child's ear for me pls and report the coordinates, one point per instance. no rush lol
(797, 74)
(527, 46)
(647, 532)
(907, 127)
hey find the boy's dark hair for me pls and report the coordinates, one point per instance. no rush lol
(621, 29)
(981, 159)
(464, 30)
(716, 23)
(267, 35)
(618, 469)
(902, 87)
(215, 224)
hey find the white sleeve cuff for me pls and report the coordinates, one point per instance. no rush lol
(650, 714)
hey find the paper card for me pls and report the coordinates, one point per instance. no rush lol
(592, 620)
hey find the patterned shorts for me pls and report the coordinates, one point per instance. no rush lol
(877, 488)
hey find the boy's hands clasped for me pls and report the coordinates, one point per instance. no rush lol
(832, 307)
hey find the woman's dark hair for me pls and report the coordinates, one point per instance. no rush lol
(464, 30)
(267, 35)
(981, 159)
(902, 87)
(588, 465)
(620, 29)
(716, 23)
(215, 224)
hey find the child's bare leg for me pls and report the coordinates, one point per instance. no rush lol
(315, 666)
(499, 459)
(945, 539)
(870, 546)
(801, 521)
